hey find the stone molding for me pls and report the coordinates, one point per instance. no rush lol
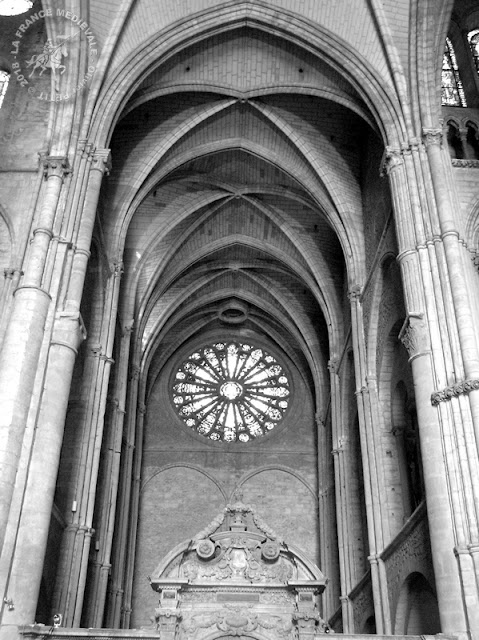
(454, 391)
(465, 164)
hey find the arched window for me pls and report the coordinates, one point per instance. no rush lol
(451, 85)
(4, 78)
(454, 141)
(473, 39)
(472, 141)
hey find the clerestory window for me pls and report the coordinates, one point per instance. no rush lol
(473, 39)
(451, 84)
(231, 391)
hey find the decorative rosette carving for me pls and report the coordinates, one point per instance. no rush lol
(205, 549)
(270, 550)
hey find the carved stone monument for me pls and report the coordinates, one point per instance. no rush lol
(236, 578)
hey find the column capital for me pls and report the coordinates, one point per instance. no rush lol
(408, 146)
(101, 160)
(432, 137)
(117, 268)
(414, 335)
(135, 372)
(333, 365)
(85, 147)
(341, 446)
(392, 158)
(128, 328)
(319, 419)
(354, 293)
(55, 166)
(9, 272)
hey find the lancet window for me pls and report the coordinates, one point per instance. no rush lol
(473, 39)
(451, 84)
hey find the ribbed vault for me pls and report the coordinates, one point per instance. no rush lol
(226, 191)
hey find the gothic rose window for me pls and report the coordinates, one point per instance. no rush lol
(14, 7)
(451, 85)
(231, 391)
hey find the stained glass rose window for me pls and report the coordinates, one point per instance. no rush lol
(231, 391)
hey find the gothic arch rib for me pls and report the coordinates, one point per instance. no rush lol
(102, 117)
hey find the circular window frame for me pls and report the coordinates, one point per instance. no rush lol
(255, 343)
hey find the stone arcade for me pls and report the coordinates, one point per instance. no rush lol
(240, 247)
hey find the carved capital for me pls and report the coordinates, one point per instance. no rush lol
(117, 268)
(55, 166)
(319, 420)
(414, 335)
(128, 328)
(432, 137)
(101, 160)
(167, 621)
(392, 158)
(85, 148)
(453, 391)
(363, 391)
(341, 446)
(135, 372)
(10, 272)
(333, 365)
(354, 293)
(142, 408)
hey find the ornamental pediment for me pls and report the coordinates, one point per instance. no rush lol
(236, 547)
(238, 577)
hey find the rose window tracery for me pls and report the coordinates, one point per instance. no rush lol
(231, 391)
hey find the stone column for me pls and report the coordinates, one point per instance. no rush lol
(107, 509)
(343, 499)
(415, 337)
(373, 485)
(422, 334)
(74, 550)
(24, 336)
(68, 331)
(326, 514)
(27, 566)
(115, 607)
(138, 412)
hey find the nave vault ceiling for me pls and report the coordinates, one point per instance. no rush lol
(239, 162)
